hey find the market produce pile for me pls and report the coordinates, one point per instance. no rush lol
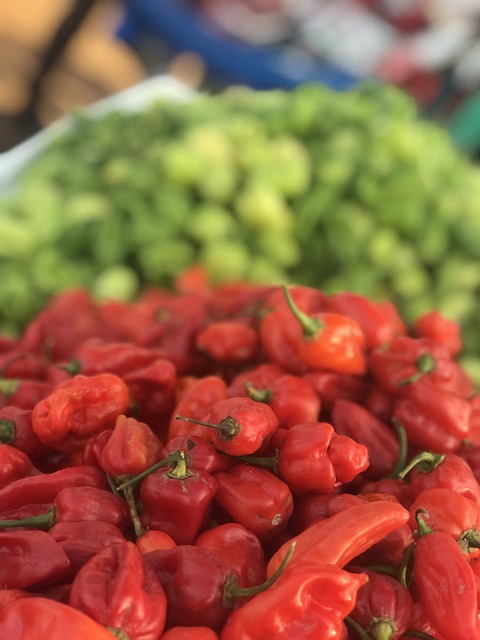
(344, 191)
(238, 462)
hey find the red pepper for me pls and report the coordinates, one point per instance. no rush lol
(82, 540)
(445, 470)
(177, 501)
(190, 633)
(93, 448)
(353, 420)
(421, 626)
(448, 511)
(280, 333)
(154, 539)
(228, 342)
(445, 583)
(14, 464)
(255, 498)
(121, 591)
(96, 356)
(329, 341)
(330, 385)
(16, 430)
(152, 388)
(380, 403)
(38, 617)
(471, 455)
(307, 602)
(23, 392)
(292, 399)
(43, 489)
(433, 418)
(195, 403)
(31, 559)
(376, 324)
(434, 326)
(345, 535)
(384, 607)
(238, 546)
(131, 448)
(240, 426)
(78, 408)
(260, 376)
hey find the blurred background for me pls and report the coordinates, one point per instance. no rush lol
(62, 54)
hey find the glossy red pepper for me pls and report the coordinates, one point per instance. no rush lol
(307, 602)
(96, 356)
(433, 418)
(16, 430)
(40, 617)
(240, 426)
(202, 455)
(353, 420)
(255, 498)
(434, 326)
(131, 448)
(238, 546)
(190, 633)
(329, 341)
(384, 607)
(261, 376)
(445, 583)
(178, 501)
(14, 464)
(330, 386)
(228, 342)
(292, 399)
(31, 559)
(153, 540)
(78, 408)
(344, 536)
(195, 402)
(120, 590)
(445, 470)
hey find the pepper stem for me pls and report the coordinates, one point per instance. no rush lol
(118, 633)
(425, 462)
(405, 570)
(43, 521)
(181, 471)
(402, 454)
(7, 431)
(426, 363)
(311, 327)
(266, 462)
(470, 539)
(228, 428)
(383, 629)
(232, 591)
(259, 395)
(132, 507)
(8, 387)
(172, 458)
(422, 527)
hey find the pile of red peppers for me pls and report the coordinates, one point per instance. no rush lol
(239, 462)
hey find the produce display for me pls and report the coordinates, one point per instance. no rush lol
(344, 191)
(237, 462)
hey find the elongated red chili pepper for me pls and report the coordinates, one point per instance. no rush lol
(384, 607)
(78, 408)
(445, 583)
(131, 448)
(31, 559)
(39, 617)
(238, 546)
(330, 341)
(239, 426)
(342, 537)
(319, 598)
(255, 498)
(115, 576)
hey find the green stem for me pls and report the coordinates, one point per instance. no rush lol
(7, 431)
(311, 327)
(9, 386)
(132, 507)
(74, 367)
(384, 569)
(266, 462)
(172, 458)
(232, 591)
(359, 630)
(470, 539)
(181, 471)
(405, 570)
(118, 633)
(382, 629)
(259, 395)
(425, 462)
(419, 634)
(402, 454)
(42, 521)
(426, 363)
(422, 527)
(228, 428)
